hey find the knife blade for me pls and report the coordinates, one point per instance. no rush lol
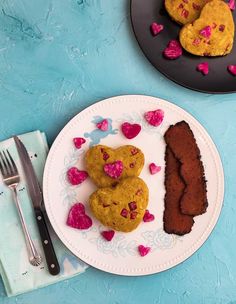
(36, 196)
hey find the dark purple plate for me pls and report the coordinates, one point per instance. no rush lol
(182, 70)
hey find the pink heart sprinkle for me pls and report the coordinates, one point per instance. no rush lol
(206, 31)
(154, 118)
(153, 168)
(231, 4)
(148, 217)
(114, 170)
(75, 176)
(130, 130)
(203, 68)
(232, 69)
(78, 142)
(77, 217)
(143, 250)
(102, 125)
(173, 50)
(108, 235)
(156, 28)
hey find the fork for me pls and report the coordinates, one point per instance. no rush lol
(11, 179)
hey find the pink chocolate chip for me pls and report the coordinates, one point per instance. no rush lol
(148, 217)
(103, 125)
(108, 235)
(75, 176)
(196, 6)
(78, 142)
(196, 41)
(203, 68)
(105, 156)
(133, 215)
(185, 13)
(206, 31)
(132, 165)
(214, 25)
(124, 213)
(232, 69)
(134, 151)
(143, 250)
(114, 170)
(221, 27)
(153, 168)
(155, 117)
(139, 192)
(231, 4)
(77, 218)
(132, 206)
(173, 50)
(130, 130)
(156, 28)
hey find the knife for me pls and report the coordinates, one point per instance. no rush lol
(36, 196)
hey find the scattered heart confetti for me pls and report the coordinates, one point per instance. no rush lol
(114, 170)
(130, 130)
(108, 235)
(148, 217)
(173, 50)
(232, 69)
(102, 125)
(231, 4)
(153, 168)
(156, 28)
(78, 142)
(143, 250)
(77, 218)
(76, 176)
(203, 68)
(154, 118)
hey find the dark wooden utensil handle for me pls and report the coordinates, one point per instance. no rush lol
(51, 258)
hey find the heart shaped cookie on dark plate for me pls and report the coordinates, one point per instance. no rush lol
(107, 166)
(184, 11)
(212, 34)
(121, 207)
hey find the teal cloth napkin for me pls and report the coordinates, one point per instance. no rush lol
(17, 274)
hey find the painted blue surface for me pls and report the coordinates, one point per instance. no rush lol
(56, 58)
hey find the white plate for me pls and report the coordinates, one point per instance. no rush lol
(120, 256)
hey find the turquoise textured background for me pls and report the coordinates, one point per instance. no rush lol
(59, 56)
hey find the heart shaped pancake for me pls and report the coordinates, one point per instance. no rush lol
(184, 11)
(100, 159)
(121, 207)
(212, 34)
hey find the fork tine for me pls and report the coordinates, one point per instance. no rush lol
(10, 168)
(3, 171)
(4, 165)
(12, 163)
